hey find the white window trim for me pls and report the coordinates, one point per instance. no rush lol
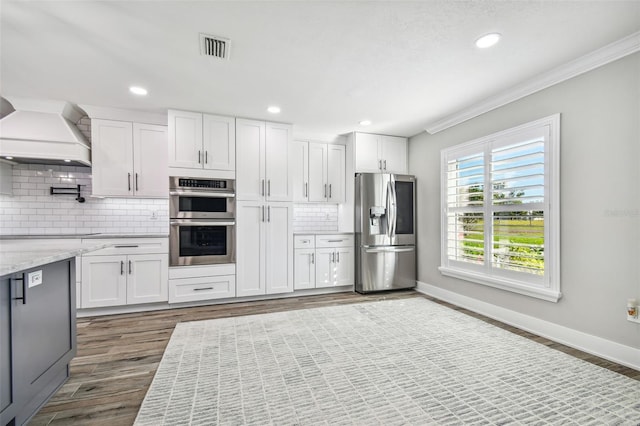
(549, 289)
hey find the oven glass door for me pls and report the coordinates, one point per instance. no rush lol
(188, 205)
(201, 242)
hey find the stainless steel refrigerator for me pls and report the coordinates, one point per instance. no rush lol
(385, 232)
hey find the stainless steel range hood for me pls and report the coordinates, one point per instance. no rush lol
(43, 132)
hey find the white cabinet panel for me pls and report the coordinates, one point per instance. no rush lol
(336, 173)
(299, 164)
(104, 281)
(380, 154)
(279, 248)
(330, 264)
(305, 269)
(250, 145)
(132, 271)
(393, 153)
(128, 159)
(185, 139)
(344, 266)
(112, 157)
(326, 173)
(324, 267)
(147, 279)
(150, 160)
(218, 144)
(276, 154)
(367, 154)
(199, 142)
(264, 248)
(250, 249)
(317, 172)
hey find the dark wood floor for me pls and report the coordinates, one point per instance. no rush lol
(118, 355)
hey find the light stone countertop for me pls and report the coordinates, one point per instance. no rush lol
(78, 236)
(16, 257)
(323, 233)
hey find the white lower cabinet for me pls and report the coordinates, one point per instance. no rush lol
(264, 248)
(198, 283)
(323, 261)
(132, 271)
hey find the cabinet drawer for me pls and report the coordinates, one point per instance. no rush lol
(204, 288)
(340, 240)
(304, 241)
(123, 246)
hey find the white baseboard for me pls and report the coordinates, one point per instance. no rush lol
(607, 349)
(131, 309)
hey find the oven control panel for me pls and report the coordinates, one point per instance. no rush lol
(203, 184)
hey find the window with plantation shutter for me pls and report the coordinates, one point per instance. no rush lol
(500, 215)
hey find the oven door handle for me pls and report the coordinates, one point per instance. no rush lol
(201, 223)
(203, 194)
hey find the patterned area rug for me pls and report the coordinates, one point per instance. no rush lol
(407, 361)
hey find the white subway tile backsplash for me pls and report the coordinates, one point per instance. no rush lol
(315, 217)
(32, 210)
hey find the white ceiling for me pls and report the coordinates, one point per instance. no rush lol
(328, 65)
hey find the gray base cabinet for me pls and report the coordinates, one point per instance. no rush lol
(37, 337)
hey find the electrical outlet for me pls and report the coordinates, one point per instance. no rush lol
(327, 216)
(154, 215)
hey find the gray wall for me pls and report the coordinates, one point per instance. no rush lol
(600, 193)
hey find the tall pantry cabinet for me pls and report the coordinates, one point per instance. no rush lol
(264, 261)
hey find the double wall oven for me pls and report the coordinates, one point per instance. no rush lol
(202, 221)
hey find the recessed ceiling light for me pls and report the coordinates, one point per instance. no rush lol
(365, 122)
(137, 90)
(273, 109)
(9, 158)
(67, 161)
(488, 40)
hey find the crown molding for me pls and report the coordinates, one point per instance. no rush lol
(609, 53)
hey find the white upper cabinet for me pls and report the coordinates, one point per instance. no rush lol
(336, 173)
(150, 176)
(318, 172)
(299, 165)
(318, 191)
(262, 151)
(201, 142)
(128, 159)
(380, 154)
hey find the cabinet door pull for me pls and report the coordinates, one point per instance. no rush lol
(380, 164)
(206, 157)
(329, 190)
(24, 290)
(325, 190)
(121, 267)
(203, 288)
(129, 267)
(129, 181)
(269, 187)
(335, 241)
(268, 213)
(306, 189)
(262, 207)
(262, 189)
(385, 164)
(333, 257)
(199, 153)
(136, 182)
(126, 246)
(313, 258)
(338, 256)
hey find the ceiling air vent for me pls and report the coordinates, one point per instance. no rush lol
(217, 47)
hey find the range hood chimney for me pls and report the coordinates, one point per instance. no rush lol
(43, 132)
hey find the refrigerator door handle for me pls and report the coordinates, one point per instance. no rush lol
(389, 250)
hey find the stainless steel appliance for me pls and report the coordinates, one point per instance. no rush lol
(202, 221)
(385, 232)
